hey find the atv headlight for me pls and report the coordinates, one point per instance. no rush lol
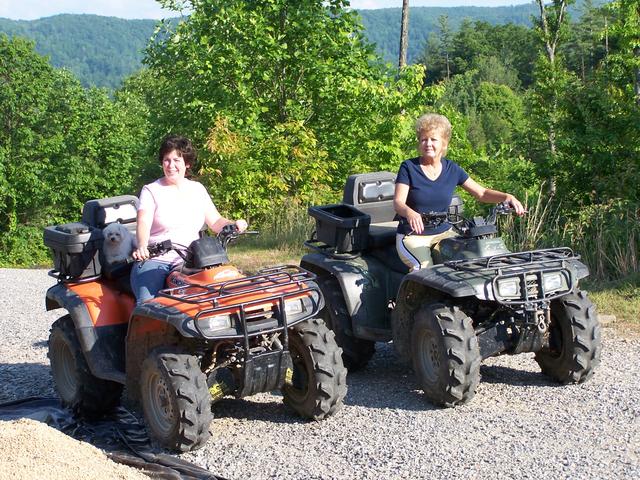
(298, 307)
(552, 281)
(509, 287)
(210, 325)
(294, 307)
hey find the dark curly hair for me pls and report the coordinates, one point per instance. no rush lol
(180, 144)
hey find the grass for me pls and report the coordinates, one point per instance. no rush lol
(250, 259)
(620, 298)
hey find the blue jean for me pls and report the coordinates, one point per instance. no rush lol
(147, 279)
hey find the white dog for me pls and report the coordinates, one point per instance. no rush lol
(118, 243)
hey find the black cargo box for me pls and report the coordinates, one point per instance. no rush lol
(74, 247)
(341, 226)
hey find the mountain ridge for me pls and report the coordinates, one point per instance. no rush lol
(102, 50)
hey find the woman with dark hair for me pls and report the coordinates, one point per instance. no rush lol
(171, 208)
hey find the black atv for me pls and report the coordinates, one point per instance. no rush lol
(478, 300)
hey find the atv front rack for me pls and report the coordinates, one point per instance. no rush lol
(518, 259)
(528, 269)
(270, 286)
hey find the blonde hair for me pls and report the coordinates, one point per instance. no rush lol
(434, 122)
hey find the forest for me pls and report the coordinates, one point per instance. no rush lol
(284, 101)
(100, 51)
(103, 51)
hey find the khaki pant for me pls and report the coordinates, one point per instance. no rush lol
(415, 250)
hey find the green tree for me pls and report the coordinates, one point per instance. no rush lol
(585, 47)
(514, 45)
(60, 145)
(603, 125)
(627, 32)
(276, 79)
(488, 95)
(552, 79)
(438, 50)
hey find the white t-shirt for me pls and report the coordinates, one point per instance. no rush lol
(178, 213)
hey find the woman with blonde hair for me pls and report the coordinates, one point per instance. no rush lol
(426, 184)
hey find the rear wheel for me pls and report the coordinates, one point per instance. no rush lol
(356, 352)
(77, 387)
(175, 399)
(574, 340)
(318, 382)
(445, 354)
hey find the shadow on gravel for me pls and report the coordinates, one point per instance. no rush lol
(246, 409)
(511, 376)
(20, 380)
(386, 383)
(41, 344)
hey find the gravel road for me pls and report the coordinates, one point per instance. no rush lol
(519, 425)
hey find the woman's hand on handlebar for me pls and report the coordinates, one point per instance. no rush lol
(241, 224)
(516, 205)
(415, 221)
(141, 253)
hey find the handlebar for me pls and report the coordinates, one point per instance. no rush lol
(230, 232)
(502, 208)
(435, 219)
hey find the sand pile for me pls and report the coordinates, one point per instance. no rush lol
(33, 450)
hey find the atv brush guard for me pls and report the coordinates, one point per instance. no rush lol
(282, 295)
(524, 278)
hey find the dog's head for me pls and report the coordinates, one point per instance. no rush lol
(114, 233)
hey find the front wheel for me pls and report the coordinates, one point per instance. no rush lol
(318, 382)
(175, 400)
(445, 354)
(77, 387)
(575, 343)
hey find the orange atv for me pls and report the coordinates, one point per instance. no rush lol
(212, 332)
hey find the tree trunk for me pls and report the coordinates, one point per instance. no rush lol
(404, 33)
(636, 52)
(551, 38)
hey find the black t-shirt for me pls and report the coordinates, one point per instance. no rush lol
(427, 195)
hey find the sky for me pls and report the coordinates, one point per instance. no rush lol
(33, 9)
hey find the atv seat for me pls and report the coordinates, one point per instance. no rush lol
(100, 213)
(372, 193)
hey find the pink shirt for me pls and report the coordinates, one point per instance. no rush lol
(178, 213)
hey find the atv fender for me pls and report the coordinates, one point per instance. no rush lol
(440, 278)
(100, 315)
(367, 288)
(152, 317)
(428, 285)
(150, 327)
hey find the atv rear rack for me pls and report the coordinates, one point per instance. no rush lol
(227, 296)
(528, 268)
